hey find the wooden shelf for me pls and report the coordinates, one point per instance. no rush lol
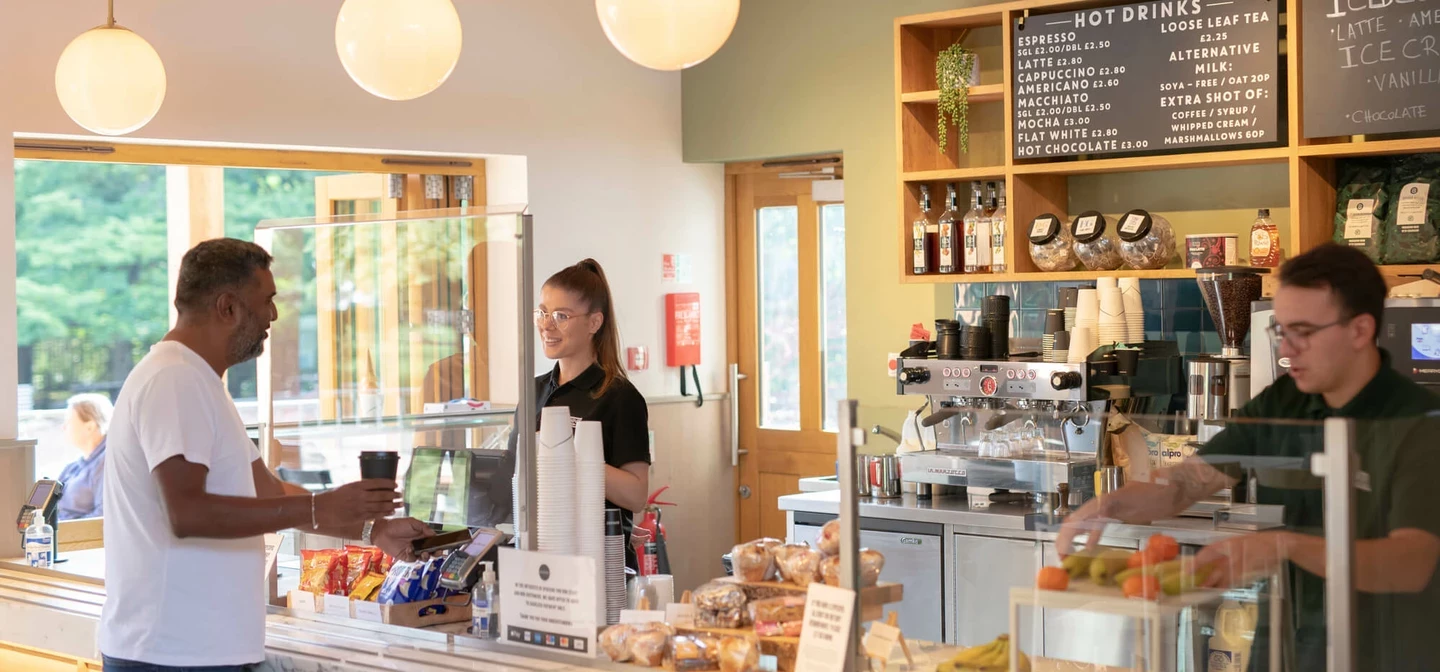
(1234, 157)
(1373, 148)
(974, 17)
(1065, 276)
(1410, 270)
(959, 174)
(985, 93)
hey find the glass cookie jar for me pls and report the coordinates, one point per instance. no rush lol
(1051, 247)
(1095, 243)
(1147, 241)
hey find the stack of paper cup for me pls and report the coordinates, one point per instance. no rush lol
(555, 483)
(1134, 310)
(1087, 310)
(590, 501)
(1112, 317)
(1106, 282)
(1082, 343)
(614, 566)
(1067, 299)
(1062, 348)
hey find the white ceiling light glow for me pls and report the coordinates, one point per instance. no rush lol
(667, 34)
(398, 49)
(110, 80)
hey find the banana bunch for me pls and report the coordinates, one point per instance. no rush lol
(1100, 564)
(986, 658)
(1176, 576)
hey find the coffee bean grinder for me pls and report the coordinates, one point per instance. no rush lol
(1228, 292)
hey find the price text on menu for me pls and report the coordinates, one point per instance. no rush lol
(1371, 66)
(1147, 77)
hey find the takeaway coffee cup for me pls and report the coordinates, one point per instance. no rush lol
(379, 464)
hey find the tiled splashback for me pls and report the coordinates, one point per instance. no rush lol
(1174, 310)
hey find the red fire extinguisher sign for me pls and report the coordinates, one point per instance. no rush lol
(682, 329)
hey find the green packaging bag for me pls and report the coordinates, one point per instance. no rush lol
(1412, 225)
(1360, 206)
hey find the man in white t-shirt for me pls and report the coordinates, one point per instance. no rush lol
(187, 497)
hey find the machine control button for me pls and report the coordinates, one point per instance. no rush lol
(965, 372)
(989, 385)
(914, 375)
(1030, 374)
(1009, 374)
(1065, 380)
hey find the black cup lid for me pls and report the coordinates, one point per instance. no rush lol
(1088, 226)
(1044, 229)
(1135, 225)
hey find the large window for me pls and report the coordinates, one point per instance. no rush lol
(779, 261)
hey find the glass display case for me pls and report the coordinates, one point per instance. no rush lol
(408, 332)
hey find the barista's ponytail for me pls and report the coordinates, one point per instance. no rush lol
(587, 280)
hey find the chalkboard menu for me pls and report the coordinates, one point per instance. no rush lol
(1371, 66)
(1147, 77)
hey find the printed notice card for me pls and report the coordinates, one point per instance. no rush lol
(826, 636)
(549, 601)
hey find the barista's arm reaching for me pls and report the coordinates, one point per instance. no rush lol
(1402, 562)
(1173, 491)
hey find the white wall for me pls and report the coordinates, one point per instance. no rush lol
(600, 135)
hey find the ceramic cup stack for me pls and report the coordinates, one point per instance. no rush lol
(590, 499)
(1062, 348)
(1134, 310)
(1112, 316)
(555, 482)
(1082, 343)
(614, 566)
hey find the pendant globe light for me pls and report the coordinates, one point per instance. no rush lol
(398, 49)
(110, 80)
(667, 34)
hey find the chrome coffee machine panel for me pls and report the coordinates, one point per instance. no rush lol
(1036, 381)
(1411, 334)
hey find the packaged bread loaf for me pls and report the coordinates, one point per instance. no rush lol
(790, 608)
(614, 642)
(871, 562)
(694, 651)
(829, 542)
(721, 618)
(648, 643)
(755, 560)
(719, 595)
(800, 566)
(784, 550)
(739, 654)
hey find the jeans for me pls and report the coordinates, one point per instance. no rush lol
(118, 665)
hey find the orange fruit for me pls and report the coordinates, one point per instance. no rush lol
(1137, 559)
(1162, 548)
(1052, 578)
(1142, 586)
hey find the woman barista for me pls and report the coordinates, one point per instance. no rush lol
(576, 322)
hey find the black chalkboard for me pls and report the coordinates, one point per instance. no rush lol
(1370, 66)
(1147, 77)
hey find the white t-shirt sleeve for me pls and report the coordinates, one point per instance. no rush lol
(172, 418)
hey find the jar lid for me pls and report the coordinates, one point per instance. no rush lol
(1135, 225)
(1044, 229)
(1088, 226)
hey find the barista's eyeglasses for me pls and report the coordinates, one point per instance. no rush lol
(1299, 336)
(558, 318)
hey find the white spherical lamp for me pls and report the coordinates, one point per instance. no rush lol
(398, 49)
(667, 34)
(110, 80)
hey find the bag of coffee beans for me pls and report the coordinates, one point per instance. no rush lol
(1412, 226)
(1360, 206)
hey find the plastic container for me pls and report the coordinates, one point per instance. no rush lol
(1095, 242)
(1146, 241)
(1051, 247)
(1212, 250)
(40, 543)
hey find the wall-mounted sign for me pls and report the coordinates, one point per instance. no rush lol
(1147, 77)
(1370, 66)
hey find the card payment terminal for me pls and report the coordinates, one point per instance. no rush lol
(458, 572)
(44, 502)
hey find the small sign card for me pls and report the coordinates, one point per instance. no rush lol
(639, 617)
(549, 601)
(680, 615)
(368, 611)
(826, 637)
(337, 605)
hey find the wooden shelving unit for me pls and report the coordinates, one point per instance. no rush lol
(1035, 187)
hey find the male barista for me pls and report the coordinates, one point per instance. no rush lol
(187, 497)
(1327, 312)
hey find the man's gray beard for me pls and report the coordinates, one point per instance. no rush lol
(247, 342)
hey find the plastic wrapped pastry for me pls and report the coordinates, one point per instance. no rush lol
(778, 609)
(647, 645)
(739, 654)
(829, 541)
(719, 595)
(614, 642)
(871, 562)
(721, 618)
(755, 560)
(801, 566)
(694, 652)
(779, 628)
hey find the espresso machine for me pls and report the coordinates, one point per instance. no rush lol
(1052, 417)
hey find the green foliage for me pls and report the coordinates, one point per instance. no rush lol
(952, 77)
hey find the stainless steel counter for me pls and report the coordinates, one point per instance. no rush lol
(998, 520)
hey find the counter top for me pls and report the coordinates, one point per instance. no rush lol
(998, 520)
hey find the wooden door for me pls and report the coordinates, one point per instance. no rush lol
(775, 258)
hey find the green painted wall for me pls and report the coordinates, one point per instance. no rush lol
(810, 76)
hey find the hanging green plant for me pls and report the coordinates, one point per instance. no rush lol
(952, 77)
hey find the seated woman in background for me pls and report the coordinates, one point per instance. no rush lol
(87, 418)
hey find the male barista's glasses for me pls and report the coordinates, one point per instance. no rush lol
(1298, 336)
(558, 319)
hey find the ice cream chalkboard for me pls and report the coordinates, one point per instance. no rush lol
(1147, 77)
(1370, 66)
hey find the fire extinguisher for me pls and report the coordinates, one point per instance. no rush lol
(649, 537)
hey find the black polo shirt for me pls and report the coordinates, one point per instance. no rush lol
(1399, 449)
(623, 416)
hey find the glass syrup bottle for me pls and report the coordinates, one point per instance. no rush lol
(922, 250)
(950, 228)
(999, 225)
(976, 220)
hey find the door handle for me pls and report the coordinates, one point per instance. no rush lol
(744, 492)
(735, 378)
